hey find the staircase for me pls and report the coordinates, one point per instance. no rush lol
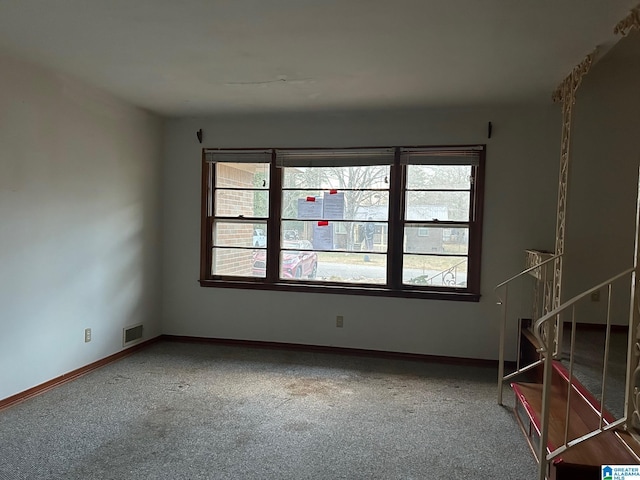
(567, 427)
(584, 460)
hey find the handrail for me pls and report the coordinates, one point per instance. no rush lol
(537, 265)
(428, 280)
(503, 325)
(519, 371)
(537, 329)
(447, 270)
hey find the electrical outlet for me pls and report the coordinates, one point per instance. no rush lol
(339, 321)
(87, 335)
(595, 296)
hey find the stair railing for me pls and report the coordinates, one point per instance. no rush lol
(449, 275)
(546, 341)
(539, 270)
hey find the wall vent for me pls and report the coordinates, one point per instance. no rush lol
(131, 335)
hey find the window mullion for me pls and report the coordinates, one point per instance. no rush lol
(396, 226)
(273, 222)
(475, 224)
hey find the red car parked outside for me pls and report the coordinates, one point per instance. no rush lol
(297, 260)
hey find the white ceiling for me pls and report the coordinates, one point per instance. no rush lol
(183, 57)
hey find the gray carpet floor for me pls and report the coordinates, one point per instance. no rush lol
(201, 411)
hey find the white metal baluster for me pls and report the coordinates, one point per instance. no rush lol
(543, 306)
(546, 394)
(557, 351)
(503, 327)
(606, 351)
(632, 356)
(519, 345)
(545, 292)
(535, 292)
(569, 388)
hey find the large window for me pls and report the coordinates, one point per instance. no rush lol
(384, 221)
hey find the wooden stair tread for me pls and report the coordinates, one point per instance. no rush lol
(608, 447)
(629, 441)
(582, 461)
(604, 448)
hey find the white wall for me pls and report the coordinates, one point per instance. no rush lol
(79, 224)
(603, 178)
(522, 159)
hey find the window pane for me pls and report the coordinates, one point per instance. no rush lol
(232, 234)
(358, 205)
(242, 175)
(338, 236)
(296, 204)
(237, 262)
(425, 177)
(443, 206)
(435, 270)
(248, 203)
(297, 260)
(352, 267)
(375, 176)
(421, 239)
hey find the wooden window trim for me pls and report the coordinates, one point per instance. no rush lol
(396, 222)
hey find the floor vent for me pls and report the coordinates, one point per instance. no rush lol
(131, 335)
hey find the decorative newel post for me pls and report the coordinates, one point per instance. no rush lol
(566, 95)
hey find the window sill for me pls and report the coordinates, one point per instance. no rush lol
(458, 296)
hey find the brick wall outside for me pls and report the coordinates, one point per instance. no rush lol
(233, 203)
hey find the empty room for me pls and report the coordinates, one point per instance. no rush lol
(302, 239)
